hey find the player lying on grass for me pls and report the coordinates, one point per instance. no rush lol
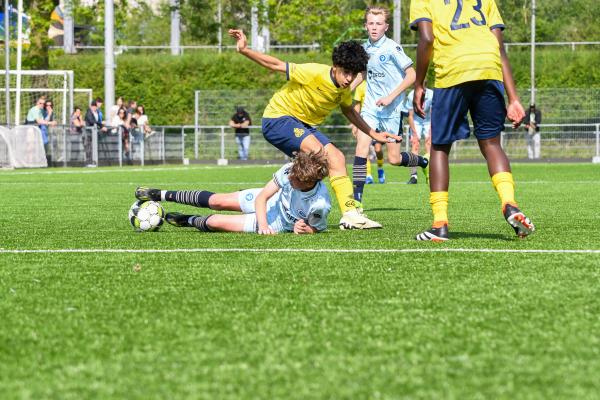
(470, 68)
(311, 93)
(295, 200)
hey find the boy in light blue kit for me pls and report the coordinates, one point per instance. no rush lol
(295, 200)
(389, 74)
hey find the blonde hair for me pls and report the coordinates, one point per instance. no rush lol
(377, 10)
(310, 167)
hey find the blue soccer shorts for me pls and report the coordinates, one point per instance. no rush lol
(287, 133)
(484, 100)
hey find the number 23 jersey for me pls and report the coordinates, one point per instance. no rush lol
(464, 47)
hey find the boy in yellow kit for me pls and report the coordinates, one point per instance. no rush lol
(465, 37)
(311, 93)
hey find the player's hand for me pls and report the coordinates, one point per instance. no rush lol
(515, 113)
(385, 137)
(418, 101)
(384, 101)
(266, 230)
(301, 227)
(238, 35)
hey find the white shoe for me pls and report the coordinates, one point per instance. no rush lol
(354, 220)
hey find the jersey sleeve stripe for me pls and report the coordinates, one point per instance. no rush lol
(413, 25)
(498, 26)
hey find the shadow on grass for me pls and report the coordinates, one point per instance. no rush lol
(473, 235)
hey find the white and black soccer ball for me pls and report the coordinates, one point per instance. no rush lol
(146, 216)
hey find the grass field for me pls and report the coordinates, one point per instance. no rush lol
(343, 314)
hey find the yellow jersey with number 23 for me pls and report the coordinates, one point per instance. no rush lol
(464, 48)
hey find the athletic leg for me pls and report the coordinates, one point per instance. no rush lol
(359, 170)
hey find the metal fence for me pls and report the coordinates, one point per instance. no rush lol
(182, 144)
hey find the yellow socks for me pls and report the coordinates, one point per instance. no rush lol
(342, 186)
(380, 163)
(439, 206)
(505, 186)
(369, 166)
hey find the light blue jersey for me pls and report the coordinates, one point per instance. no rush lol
(288, 205)
(385, 71)
(408, 105)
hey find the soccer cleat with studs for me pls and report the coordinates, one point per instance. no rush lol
(145, 193)
(518, 221)
(369, 180)
(381, 175)
(434, 234)
(354, 219)
(412, 180)
(178, 219)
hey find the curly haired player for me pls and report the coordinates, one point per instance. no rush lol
(311, 93)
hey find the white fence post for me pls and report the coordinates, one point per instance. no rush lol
(596, 159)
(94, 134)
(162, 147)
(182, 145)
(222, 160)
(120, 146)
(142, 146)
(196, 137)
(64, 143)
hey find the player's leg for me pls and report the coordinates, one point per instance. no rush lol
(488, 123)
(208, 223)
(395, 155)
(415, 146)
(379, 154)
(359, 168)
(449, 123)
(196, 198)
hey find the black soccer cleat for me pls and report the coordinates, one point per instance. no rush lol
(145, 194)
(518, 221)
(434, 234)
(178, 219)
(412, 180)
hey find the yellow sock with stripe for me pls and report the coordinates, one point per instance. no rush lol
(439, 206)
(505, 186)
(369, 166)
(342, 186)
(380, 162)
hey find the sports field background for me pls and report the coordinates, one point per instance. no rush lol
(343, 314)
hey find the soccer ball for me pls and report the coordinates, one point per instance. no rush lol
(146, 216)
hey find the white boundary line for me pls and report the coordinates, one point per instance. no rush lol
(299, 250)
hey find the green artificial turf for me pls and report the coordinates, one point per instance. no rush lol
(297, 320)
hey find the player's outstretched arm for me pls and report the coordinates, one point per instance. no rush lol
(359, 122)
(301, 227)
(260, 207)
(267, 61)
(424, 52)
(514, 111)
(407, 82)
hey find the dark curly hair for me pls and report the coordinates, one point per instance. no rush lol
(351, 56)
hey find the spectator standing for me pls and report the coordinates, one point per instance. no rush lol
(142, 120)
(115, 109)
(122, 121)
(77, 122)
(532, 121)
(93, 118)
(240, 121)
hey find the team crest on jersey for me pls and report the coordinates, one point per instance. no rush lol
(301, 213)
(298, 132)
(382, 58)
(249, 196)
(399, 49)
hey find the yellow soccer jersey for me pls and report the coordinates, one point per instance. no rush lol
(309, 95)
(360, 91)
(464, 48)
